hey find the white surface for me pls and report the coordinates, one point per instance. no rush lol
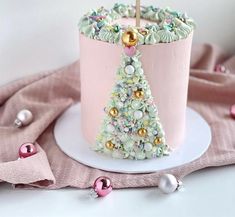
(39, 35)
(72, 142)
(208, 193)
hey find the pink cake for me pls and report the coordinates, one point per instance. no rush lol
(164, 42)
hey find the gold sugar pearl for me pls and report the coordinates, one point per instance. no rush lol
(158, 141)
(142, 132)
(143, 32)
(113, 112)
(109, 145)
(129, 38)
(139, 94)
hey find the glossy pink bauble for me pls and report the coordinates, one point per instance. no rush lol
(102, 186)
(232, 111)
(27, 149)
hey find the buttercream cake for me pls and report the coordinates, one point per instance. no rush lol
(134, 80)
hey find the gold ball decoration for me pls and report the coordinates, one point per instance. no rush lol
(109, 145)
(158, 141)
(129, 38)
(113, 112)
(142, 132)
(139, 94)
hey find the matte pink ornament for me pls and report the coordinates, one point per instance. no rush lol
(232, 111)
(27, 149)
(102, 186)
(130, 51)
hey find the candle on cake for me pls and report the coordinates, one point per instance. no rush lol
(134, 64)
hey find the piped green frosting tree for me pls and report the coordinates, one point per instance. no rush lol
(131, 127)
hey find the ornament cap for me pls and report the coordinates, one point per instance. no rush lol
(18, 123)
(180, 184)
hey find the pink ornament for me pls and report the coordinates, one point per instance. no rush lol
(220, 68)
(232, 111)
(27, 149)
(130, 51)
(102, 186)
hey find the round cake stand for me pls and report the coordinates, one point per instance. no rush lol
(71, 141)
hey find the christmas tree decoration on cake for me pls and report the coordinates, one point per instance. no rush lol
(131, 127)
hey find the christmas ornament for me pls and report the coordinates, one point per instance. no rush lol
(158, 141)
(232, 111)
(113, 112)
(109, 145)
(168, 183)
(131, 126)
(101, 187)
(129, 38)
(139, 94)
(142, 132)
(221, 68)
(27, 149)
(23, 118)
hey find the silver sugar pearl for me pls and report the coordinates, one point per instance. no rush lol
(110, 128)
(23, 118)
(129, 69)
(148, 146)
(138, 114)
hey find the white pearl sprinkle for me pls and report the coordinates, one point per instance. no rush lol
(110, 128)
(135, 104)
(138, 114)
(120, 104)
(129, 69)
(148, 146)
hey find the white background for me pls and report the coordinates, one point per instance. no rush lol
(36, 35)
(42, 34)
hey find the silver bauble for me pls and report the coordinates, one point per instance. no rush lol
(168, 183)
(23, 118)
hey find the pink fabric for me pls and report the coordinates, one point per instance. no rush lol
(48, 94)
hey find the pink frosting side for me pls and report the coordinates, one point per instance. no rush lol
(166, 67)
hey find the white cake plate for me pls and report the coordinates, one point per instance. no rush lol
(71, 141)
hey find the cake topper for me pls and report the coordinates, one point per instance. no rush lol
(137, 8)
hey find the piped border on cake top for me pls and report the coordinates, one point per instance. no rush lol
(166, 25)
